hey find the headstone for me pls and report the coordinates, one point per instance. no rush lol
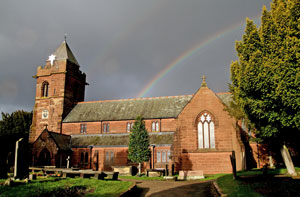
(8, 182)
(271, 161)
(21, 168)
(68, 162)
(288, 161)
(32, 177)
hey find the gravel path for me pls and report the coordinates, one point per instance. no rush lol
(173, 188)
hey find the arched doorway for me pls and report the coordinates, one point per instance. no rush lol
(44, 158)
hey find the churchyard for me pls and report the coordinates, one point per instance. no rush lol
(257, 182)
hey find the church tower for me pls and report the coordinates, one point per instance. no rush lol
(59, 85)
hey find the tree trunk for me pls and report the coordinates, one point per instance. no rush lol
(140, 169)
(288, 161)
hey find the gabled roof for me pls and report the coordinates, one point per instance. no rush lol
(62, 141)
(63, 52)
(129, 109)
(148, 108)
(225, 97)
(118, 140)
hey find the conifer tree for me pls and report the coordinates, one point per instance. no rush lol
(12, 127)
(138, 150)
(266, 76)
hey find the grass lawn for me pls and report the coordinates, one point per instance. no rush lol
(63, 187)
(253, 183)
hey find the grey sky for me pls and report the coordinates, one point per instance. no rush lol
(121, 44)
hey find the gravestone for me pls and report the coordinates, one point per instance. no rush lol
(68, 162)
(288, 160)
(21, 168)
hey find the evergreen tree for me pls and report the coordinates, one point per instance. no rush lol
(12, 127)
(266, 76)
(138, 150)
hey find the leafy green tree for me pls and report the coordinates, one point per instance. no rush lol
(266, 76)
(12, 127)
(138, 150)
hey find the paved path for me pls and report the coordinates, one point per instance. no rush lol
(173, 188)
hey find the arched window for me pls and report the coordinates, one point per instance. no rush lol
(45, 89)
(206, 131)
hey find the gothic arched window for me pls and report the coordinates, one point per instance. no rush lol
(45, 89)
(206, 131)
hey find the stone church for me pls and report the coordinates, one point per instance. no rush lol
(189, 132)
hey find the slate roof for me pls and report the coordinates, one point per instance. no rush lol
(148, 108)
(129, 109)
(225, 97)
(63, 52)
(118, 140)
(61, 140)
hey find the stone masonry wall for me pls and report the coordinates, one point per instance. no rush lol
(115, 126)
(186, 136)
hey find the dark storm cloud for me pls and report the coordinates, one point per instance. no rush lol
(121, 44)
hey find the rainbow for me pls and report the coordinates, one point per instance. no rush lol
(190, 52)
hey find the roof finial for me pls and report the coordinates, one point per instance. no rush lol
(65, 37)
(203, 81)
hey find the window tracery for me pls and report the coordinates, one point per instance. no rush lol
(206, 131)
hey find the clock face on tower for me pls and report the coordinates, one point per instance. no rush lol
(45, 114)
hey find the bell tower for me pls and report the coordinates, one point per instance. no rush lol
(59, 85)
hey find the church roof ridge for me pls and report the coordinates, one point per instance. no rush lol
(132, 99)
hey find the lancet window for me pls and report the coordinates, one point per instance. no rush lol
(206, 131)
(45, 89)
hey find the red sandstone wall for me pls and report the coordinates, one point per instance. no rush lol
(209, 162)
(60, 95)
(115, 126)
(120, 158)
(53, 104)
(186, 137)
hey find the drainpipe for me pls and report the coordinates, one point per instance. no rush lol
(160, 125)
(153, 155)
(101, 127)
(258, 159)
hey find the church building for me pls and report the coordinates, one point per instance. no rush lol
(190, 132)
